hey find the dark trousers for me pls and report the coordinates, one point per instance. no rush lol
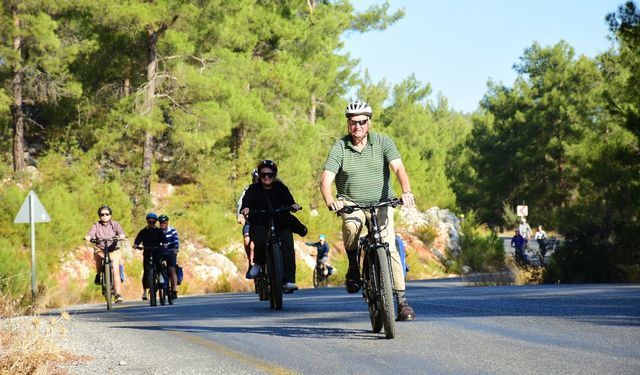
(145, 266)
(258, 235)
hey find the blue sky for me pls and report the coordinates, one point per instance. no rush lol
(457, 45)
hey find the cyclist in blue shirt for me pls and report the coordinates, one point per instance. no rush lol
(170, 252)
(323, 252)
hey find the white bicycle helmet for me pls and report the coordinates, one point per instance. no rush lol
(358, 108)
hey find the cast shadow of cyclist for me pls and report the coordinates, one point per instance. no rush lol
(280, 331)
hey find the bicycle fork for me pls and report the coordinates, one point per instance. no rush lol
(377, 239)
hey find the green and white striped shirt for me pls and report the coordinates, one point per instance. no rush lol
(363, 176)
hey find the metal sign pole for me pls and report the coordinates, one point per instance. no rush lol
(32, 221)
(32, 212)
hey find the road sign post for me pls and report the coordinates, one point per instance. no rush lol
(32, 212)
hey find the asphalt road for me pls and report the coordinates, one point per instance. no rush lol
(460, 329)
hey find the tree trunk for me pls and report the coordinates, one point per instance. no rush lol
(149, 96)
(237, 139)
(312, 110)
(16, 111)
(126, 87)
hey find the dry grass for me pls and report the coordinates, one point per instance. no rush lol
(525, 275)
(28, 344)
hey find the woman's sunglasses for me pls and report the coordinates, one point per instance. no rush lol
(270, 175)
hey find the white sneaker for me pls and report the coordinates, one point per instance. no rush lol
(290, 286)
(255, 270)
(144, 295)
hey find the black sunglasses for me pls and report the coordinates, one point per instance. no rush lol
(151, 221)
(360, 122)
(163, 222)
(105, 214)
(270, 174)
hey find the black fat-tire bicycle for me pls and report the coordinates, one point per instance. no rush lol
(376, 273)
(320, 275)
(269, 283)
(158, 279)
(106, 270)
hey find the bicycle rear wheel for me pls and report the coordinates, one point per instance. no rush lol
(275, 276)
(262, 287)
(107, 284)
(163, 291)
(162, 295)
(169, 292)
(385, 292)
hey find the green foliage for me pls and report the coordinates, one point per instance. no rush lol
(509, 216)
(601, 226)
(525, 146)
(427, 234)
(482, 249)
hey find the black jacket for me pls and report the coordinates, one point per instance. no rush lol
(259, 198)
(150, 238)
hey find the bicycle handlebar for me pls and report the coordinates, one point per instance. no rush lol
(277, 210)
(105, 240)
(393, 202)
(142, 247)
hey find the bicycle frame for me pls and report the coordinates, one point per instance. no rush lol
(319, 278)
(106, 270)
(157, 277)
(269, 284)
(374, 261)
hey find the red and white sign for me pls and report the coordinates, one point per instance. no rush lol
(522, 211)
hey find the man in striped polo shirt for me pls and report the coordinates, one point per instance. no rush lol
(170, 253)
(361, 164)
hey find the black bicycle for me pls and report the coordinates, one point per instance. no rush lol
(320, 275)
(158, 278)
(269, 283)
(106, 268)
(374, 260)
(545, 246)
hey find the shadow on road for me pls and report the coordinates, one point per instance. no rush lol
(275, 330)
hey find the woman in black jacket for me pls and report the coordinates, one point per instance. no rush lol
(270, 194)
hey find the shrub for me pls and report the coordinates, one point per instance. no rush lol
(482, 249)
(427, 234)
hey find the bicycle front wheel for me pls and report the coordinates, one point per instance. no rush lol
(107, 284)
(370, 276)
(275, 276)
(385, 292)
(317, 281)
(151, 275)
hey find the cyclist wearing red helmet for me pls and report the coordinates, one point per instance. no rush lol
(267, 194)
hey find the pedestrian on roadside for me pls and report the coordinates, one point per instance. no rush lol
(519, 243)
(525, 229)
